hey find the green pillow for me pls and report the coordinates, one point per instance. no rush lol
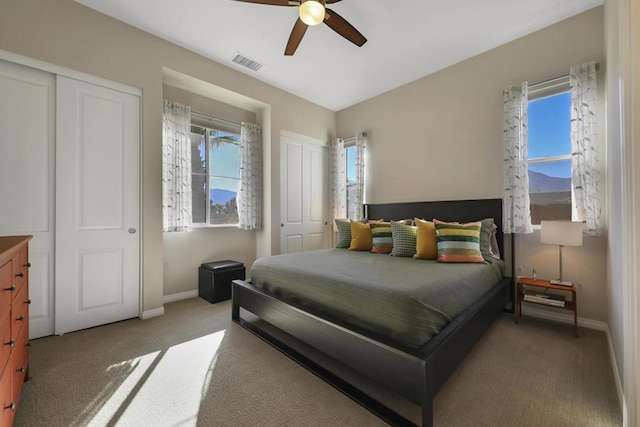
(404, 239)
(486, 232)
(344, 232)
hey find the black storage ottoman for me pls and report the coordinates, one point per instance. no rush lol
(214, 279)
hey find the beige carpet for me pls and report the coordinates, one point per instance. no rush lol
(193, 366)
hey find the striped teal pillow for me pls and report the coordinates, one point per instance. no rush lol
(404, 239)
(458, 242)
(382, 240)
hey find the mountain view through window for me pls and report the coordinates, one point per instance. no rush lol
(215, 163)
(549, 153)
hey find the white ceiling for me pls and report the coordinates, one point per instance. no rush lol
(407, 39)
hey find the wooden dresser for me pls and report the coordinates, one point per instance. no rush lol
(14, 322)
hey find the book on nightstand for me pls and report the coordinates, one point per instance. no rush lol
(545, 298)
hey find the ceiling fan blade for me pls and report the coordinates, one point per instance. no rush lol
(338, 24)
(273, 2)
(299, 28)
(332, 1)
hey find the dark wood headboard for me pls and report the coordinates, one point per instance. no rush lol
(451, 210)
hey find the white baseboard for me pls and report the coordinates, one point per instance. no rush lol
(148, 314)
(616, 373)
(563, 317)
(180, 296)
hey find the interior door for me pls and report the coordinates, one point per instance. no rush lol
(27, 171)
(304, 195)
(97, 205)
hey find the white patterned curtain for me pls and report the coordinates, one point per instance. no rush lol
(359, 187)
(250, 194)
(515, 205)
(585, 175)
(176, 167)
(338, 180)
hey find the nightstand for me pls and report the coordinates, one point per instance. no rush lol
(545, 285)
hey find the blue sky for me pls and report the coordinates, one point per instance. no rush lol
(351, 163)
(224, 161)
(549, 133)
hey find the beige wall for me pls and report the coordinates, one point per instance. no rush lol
(615, 178)
(68, 34)
(622, 30)
(440, 138)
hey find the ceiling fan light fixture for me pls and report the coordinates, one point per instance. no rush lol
(311, 12)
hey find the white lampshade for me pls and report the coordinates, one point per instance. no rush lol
(311, 12)
(564, 233)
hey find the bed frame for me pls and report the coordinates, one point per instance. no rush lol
(415, 374)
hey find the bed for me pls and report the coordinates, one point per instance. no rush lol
(414, 363)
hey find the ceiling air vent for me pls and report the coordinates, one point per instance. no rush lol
(246, 62)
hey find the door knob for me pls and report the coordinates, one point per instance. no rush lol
(132, 230)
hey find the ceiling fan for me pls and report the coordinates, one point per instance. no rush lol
(313, 12)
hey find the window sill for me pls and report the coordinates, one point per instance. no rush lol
(203, 226)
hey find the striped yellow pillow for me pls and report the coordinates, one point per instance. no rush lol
(458, 242)
(382, 243)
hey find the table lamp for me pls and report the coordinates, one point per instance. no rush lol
(561, 233)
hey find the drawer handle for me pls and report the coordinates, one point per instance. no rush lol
(20, 319)
(28, 265)
(28, 301)
(20, 369)
(12, 406)
(21, 274)
(11, 343)
(10, 288)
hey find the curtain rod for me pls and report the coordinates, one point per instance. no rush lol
(351, 138)
(559, 77)
(215, 119)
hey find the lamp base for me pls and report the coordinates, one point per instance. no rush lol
(561, 283)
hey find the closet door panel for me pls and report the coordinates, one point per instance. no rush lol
(97, 209)
(27, 173)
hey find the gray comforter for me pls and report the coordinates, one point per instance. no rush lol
(406, 300)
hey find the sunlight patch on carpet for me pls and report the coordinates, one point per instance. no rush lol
(167, 391)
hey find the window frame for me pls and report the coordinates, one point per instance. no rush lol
(546, 89)
(348, 144)
(208, 126)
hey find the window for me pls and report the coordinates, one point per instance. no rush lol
(215, 175)
(549, 154)
(350, 156)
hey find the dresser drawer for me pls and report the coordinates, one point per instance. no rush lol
(5, 288)
(6, 399)
(5, 333)
(20, 311)
(19, 362)
(18, 271)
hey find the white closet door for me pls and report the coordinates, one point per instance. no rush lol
(27, 121)
(97, 205)
(304, 196)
